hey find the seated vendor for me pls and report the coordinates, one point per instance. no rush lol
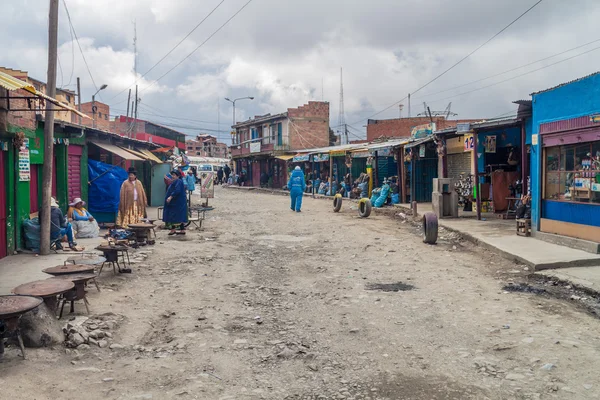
(83, 222)
(59, 226)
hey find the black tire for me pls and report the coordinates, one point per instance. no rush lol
(337, 203)
(430, 228)
(364, 208)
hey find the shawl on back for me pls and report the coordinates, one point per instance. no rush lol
(126, 201)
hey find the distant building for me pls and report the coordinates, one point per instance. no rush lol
(148, 131)
(102, 115)
(206, 146)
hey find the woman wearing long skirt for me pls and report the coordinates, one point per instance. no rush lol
(132, 206)
(175, 210)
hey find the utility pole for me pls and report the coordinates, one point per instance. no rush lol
(49, 130)
(409, 105)
(341, 118)
(79, 98)
(135, 111)
(128, 101)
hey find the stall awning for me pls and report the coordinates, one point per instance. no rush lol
(150, 156)
(285, 157)
(116, 150)
(11, 83)
(135, 153)
(419, 142)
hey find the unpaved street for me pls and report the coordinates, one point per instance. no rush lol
(270, 304)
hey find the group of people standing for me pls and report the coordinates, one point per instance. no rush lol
(133, 200)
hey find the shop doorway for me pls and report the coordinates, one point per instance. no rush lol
(3, 245)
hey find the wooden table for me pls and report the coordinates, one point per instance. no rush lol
(46, 289)
(71, 269)
(88, 259)
(11, 310)
(79, 280)
(112, 253)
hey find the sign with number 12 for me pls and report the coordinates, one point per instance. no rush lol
(469, 142)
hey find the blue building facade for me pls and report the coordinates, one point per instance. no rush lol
(565, 159)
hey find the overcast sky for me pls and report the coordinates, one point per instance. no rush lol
(286, 52)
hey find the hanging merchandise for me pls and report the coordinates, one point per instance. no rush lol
(24, 162)
(490, 144)
(422, 149)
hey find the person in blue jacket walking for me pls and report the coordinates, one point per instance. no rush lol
(297, 185)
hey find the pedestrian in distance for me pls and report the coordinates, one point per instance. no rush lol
(227, 172)
(190, 184)
(133, 201)
(220, 176)
(297, 186)
(175, 209)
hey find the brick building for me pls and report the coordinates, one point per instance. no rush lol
(206, 146)
(102, 115)
(259, 141)
(402, 127)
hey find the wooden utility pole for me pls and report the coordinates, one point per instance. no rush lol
(128, 100)
(49, 130)
(135, 110)
(79, 98)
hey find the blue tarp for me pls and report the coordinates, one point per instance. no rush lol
(104, 192)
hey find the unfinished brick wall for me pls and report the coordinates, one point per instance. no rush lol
(402, 127)
(102, 116)
(309, 125)
(25, 119)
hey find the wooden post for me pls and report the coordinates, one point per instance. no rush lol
(476, 184)
(331, 174)
(49, 130)
(523, 159)
(402, 173)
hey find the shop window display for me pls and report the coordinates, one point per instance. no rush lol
(573, 173)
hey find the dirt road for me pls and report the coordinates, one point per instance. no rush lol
(266, 303)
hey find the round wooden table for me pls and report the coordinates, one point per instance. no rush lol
(11, 310)
(79, 280)
(89, 259)
(46, 289)
(112, 253)
(70, 269)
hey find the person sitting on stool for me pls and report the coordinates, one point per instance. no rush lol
(59, 226)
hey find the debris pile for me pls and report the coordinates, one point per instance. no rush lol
(93, 331)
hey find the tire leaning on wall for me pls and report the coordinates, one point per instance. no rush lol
(364, 208)
(337, 203)
(430, 228)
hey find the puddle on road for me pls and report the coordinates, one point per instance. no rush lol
(389, 287)
(282, 238)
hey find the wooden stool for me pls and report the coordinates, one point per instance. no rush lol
(524, 227)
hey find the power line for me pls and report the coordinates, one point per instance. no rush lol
(170, 51)
(510, 70)
(455, 64)
(197, 48)
(80, 49)
(518, 76)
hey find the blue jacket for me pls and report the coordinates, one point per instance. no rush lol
(297, 182)
(190, 182)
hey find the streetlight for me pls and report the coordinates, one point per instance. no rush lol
(233, 102)
(94, 104)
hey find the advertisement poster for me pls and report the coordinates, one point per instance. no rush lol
(321, 157)
(255, 147)
(490, 144)
(24, 165)
(422, 149)
(469, 143)
(207, 189)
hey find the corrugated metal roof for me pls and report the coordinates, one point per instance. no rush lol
(566, 83)
(11, 83)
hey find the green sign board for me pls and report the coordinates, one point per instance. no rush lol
(36, 147)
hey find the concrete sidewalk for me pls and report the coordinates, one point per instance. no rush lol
(500, 235)
(22, 268)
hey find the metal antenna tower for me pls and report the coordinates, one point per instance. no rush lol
(135, 54)
(342, 119)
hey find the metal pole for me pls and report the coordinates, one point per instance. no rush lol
(94, 110)
(523, 160)
(134, 134)
(476, 184)
(49, 130)
(234, 112)
(79, 98)
(128, 101)
(409, 105)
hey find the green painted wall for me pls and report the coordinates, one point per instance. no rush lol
(10, 200)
